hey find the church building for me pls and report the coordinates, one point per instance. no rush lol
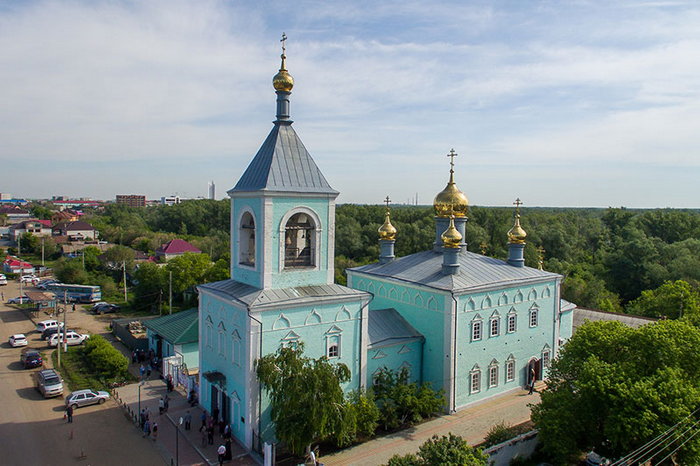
(472, 325)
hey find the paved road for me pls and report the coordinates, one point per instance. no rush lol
(32, 428)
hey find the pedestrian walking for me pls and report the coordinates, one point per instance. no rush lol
(69, 413)
(166, 402)
(161, 405)
(155, 431)
(2, 296)
(222, 454)
(188, 420)
(73, 310)
(227, 431)
(210, 435)
(142, 418)
(142, 371)
(203, 417)
(146, 429)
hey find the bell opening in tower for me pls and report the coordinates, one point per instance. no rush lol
(299, 241)
(246, 243)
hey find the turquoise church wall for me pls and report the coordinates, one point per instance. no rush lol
(524, 344)
(421, 308)
(217, 316)
(396, 357)
(300, 276)
(239, 272)
(567, 325)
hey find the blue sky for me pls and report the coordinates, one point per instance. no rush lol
(579, 103)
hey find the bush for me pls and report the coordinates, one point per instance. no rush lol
(401, 403)
(448, 449)
(360, 415)
(104, 359)
(501, 432)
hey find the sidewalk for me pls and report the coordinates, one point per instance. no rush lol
(189, 443)
(471, 423)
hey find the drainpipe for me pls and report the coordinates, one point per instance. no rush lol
(454, 357)
(259, 386)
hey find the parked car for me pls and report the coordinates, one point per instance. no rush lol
(18, 340)
(44, 324)
(29, 279)
(49, 332)
(96, 305)
(3, 279)
(45, 283)
(72, 338)
(85, 398)
(31, 358)
(106, 308)
(49, 383)
(18, 300)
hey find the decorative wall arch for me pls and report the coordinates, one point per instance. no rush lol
(313, 318)
(370, 288)
(393, 294)
(532, 295)
(471, 305)
(503, 300)
(432, 304)
(343, 314)
(381, 291)
(486, 302)
(418, 300)
(518, 298)
(546, 293)
(281, 322)
(405, 297)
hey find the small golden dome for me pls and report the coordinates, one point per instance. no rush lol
(387, 231)
(451, 238)
(283, 81)
(517, 235)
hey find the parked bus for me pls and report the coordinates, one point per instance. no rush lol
(73, 293)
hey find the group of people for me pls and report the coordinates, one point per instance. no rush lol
(209, 425)
(147, 359)
(150, 430)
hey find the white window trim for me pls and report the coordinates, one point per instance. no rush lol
(477, 324)
(493, 373)
(534, 313)
(497, 322)
(546, 358)
(330, 336)
(510, 370)
(512, 316)
(474, 376)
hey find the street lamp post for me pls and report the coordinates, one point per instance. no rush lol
(140, 384)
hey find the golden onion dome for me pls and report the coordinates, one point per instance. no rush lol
(387, 231)
(283, 81)
(517, 235)
(451, 201)
(451, 238)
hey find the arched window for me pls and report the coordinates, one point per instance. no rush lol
(300, 241)
(246, 240)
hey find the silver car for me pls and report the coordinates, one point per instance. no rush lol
(86, 397)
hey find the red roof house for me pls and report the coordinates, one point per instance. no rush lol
(14, 265)
(174, 248)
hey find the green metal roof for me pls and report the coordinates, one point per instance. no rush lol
(179, 328)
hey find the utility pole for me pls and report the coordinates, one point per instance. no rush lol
(170, 300)
(65, 323)
(82, 253)
(19, 245)
(42, 251)
(124, 270)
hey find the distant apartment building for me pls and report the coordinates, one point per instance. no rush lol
(212, 190)
(131, 200)
(5, 196)
(170, 200)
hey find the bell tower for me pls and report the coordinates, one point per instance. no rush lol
(282, 208)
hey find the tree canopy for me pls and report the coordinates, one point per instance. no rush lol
(446, 450)
(614, 388)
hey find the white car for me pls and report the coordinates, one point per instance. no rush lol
(72, 338)
(29, 279)
(44, 324)
(18, 340)
(3, 279)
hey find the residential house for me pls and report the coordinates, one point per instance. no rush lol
(76, 231)
(35, 227)
(174, 248)
(15, 265)
(174, 339)
(64, 216)
(14, 213)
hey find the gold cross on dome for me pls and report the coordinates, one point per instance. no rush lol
(452, 156)
(284, 38)
(517, 205)
(387, 201)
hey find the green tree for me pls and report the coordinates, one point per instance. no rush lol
(640, 381)
(446, 450)
(188, 270)
(117, 257)
(71, 271)
(152, 284)
(671, 300)
(306, 400)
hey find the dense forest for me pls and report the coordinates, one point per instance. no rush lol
(608, 256)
